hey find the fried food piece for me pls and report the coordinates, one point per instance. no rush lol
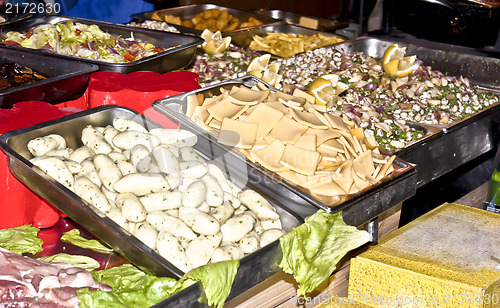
(210, 13)
(157, 17)
(232, 26)
(221, 23)
(246, 24)
(172, 19)
(197, 19)
(187, 23)
(212, 19)
(255, 21)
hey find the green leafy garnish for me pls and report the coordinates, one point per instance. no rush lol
(134, 288)
(73, 237)
(312, 250)
(87, 263)
(131, 288)
(21, 239)
(216, 279)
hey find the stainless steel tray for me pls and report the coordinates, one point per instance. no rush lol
(326, 25)
(357, 209)
(183, 47)
(14, 144)
(244, 37)
(446, 147)
(189, 11)
(66, 79)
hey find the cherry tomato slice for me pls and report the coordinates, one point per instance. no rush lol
(9, 42)
(127, 56)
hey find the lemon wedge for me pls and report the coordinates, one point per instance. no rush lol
(326, 87)
(214, 42)
(396, 64)
(261, 68)
(259, 63)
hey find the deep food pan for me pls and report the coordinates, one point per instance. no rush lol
(14, 144)
(11, 12)
(66, 79)
(357, 208)
(190, 11)
(180, 48)
(323, 24)
(244, 37)
(451, 145)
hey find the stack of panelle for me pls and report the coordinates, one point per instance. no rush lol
(293, 137)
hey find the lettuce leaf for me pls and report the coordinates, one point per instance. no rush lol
(134, 288)
(21, 239)
(131, 288)
(73, 237)
(312, 250)
(84, 262)
(216, 280)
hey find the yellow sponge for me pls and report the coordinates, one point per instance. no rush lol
(448, 257)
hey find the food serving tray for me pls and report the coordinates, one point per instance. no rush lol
(357, 208)
(447, 146)
(326, 25)
(181, 53)
(244, 37)
(66, 79)
(14, 144)
(12, 13)
(189, 11)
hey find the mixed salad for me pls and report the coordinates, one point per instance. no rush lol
(82, 40)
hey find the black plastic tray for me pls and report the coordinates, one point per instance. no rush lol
(66, 79)
(12, 13)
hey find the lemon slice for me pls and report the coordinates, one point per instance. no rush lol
(259, 63)
(326, 87)
(214, 42)
(396, 64)
(261, 68)
(271, 78)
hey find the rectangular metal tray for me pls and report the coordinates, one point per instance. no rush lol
(324, 24)
(189, 11)
(66, 79)
(357, 209)
(14, 144)
(182, 52)
(446, 147)
(244, 37)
